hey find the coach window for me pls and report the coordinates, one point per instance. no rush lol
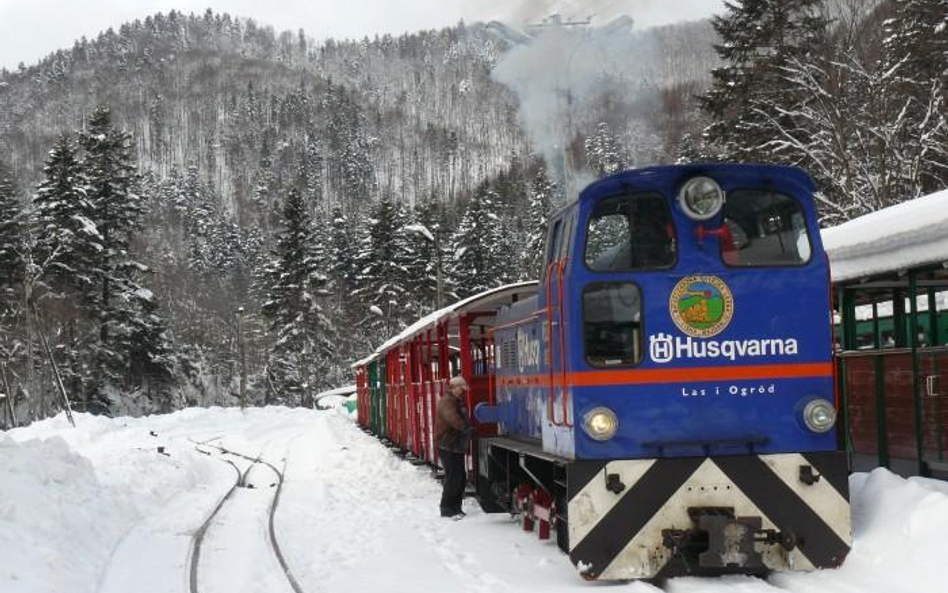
(763, 228)
(612, 324)
(630, 232)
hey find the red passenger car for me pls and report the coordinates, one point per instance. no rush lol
(400, 383)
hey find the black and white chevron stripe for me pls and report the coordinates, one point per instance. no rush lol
(618, 536)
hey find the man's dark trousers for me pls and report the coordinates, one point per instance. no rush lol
(454, 481)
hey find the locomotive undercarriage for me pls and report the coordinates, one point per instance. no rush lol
(517, 477)
(657, 518)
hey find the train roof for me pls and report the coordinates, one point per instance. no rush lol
(901, 237)
(670, 173)
(489, 300)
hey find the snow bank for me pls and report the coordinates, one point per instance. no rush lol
(900, 523)
(70, 497)
(896, 238)
(97, 508)
(58, 523)
(899, 545)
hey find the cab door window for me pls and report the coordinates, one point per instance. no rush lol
(630, 232)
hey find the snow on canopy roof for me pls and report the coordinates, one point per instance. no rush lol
(494, 296)
(347, 390)
(899, 237)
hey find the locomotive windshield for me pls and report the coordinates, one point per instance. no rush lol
(764, 228)
(630, 232)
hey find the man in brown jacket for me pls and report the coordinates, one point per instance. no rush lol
(452, 432)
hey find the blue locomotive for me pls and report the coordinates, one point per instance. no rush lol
(663, 399)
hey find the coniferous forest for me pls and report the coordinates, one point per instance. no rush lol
(198, 210)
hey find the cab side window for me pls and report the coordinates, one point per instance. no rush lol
(568, 225)
(630, 232)
(553, 241)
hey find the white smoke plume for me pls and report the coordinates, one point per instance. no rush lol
(562, 72)
(647, 13)
(568, 76)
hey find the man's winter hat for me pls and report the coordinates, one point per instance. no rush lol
(457, 382)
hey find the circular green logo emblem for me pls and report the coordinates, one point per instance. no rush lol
(701, 306)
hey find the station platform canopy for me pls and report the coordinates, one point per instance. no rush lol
(890, 281)
(896, 239)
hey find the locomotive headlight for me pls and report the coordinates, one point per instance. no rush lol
(601, 423)
(701, 198)
(819, 415)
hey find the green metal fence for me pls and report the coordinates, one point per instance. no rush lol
(893, 370)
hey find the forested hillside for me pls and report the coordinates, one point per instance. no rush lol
(275, 180)
(197, 210)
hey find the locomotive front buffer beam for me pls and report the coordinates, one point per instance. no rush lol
(627, 519)
(706, 516)
(721, 542)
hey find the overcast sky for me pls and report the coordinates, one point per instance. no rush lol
(30, 29)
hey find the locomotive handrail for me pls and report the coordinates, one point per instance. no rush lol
(550, 413)
(556, 266)
(566, 422)
(491, 371)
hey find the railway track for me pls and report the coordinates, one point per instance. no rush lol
(241, 480)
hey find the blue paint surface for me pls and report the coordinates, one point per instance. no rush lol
(686, 417)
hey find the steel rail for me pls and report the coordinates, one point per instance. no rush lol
(271, 513)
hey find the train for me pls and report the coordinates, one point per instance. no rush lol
(662, 400)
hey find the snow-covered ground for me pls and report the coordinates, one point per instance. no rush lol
(97, 509)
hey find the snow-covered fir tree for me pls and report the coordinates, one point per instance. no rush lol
(68, 243)
(11, 237)
(604, 152)
(480, 258)
(321, 248)
(216, 245)
(350, 163)
(295, 308)
(426, 258)
(117, 210)
(265, 192)
(13, 258)
(749, 95)
(916, 52)
(382, 278)
(152, 357)
(857, 121)
(61, 286)
(542, 193)
(343, 247)
(510, 199)
(310, 171)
